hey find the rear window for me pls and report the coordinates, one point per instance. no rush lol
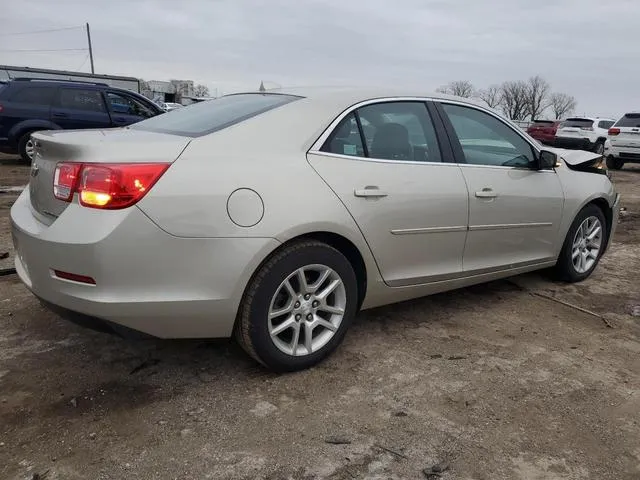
(213, 115)
(33, 96)
(577, 122)
(629, 120)
(543, 123)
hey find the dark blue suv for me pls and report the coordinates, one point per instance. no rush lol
(28, 105)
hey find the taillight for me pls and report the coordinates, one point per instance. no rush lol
(1, 108)
(106, 185)
(614, 131)
(64, 180)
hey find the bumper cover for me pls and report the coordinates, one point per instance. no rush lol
(146, 279)
(574, 143)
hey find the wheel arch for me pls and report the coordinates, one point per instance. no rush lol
(603, 204)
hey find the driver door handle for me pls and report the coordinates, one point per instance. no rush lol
(370, 191)
(486, 193)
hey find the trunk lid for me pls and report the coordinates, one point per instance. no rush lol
(92, 146)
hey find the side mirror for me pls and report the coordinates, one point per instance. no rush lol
(547, 160)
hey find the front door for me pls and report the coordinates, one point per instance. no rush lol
(385, 164)
(514, 208)
(126, 109)
(80, 107)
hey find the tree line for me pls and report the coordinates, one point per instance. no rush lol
(518, 99)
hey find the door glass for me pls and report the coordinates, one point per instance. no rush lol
(399, 131)
(126, 105)
(345, 139)
(79, 99)
(485, 140)
(33, 96)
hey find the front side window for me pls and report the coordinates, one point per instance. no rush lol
(80, 99)
(485, 140)
(124, 104)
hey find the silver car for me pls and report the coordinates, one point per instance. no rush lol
(276, 216)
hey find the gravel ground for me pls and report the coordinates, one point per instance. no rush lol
(497, 381)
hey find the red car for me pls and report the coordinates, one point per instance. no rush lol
(544, 130)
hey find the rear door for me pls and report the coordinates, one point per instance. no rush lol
(24, 101)
(126, 109)
(625, 134)
(514, 209)
(385, 163)
(78, 107)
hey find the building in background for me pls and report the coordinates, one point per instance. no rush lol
(8, 72)
(173, 91)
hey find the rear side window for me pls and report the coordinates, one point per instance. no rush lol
(629, 120)
(345, 139)
(605, 123)
(80, 99)
(577, 122)
(33, 96)
(213, 115)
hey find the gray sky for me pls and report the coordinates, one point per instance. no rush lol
(587, 48)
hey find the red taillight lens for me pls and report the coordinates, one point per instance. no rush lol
(614, 131)
(108, 185)
(1, 108)
(64, 180)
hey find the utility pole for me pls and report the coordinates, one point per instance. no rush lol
(90, 49)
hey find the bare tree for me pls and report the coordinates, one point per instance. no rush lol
(514, 99)
(201, 91)
(459, 88)
(537, 97)
(492, 96)
(562, 104)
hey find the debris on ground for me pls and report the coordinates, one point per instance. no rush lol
(436, 470)
(4, 255)
(337, 440)
(152, 362)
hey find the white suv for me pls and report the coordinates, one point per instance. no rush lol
(624, 141)
(583, 133)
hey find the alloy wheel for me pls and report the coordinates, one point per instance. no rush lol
(307, 310)
(587, 243)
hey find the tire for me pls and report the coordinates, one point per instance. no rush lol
(23, 147)
(599, 147)
(566, 267)
(267, 292)
(614, 163)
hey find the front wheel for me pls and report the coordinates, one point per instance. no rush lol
(583, 245)
(614, 163)
(298, 307)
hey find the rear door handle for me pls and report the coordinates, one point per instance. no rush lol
(486, 193)
(60, 114)
(370, 191)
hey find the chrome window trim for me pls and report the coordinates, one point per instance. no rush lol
(317, 145)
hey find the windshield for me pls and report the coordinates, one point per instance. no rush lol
(629, 120)
(213, 115)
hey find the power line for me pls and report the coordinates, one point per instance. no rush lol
(83, 62)
(46, 50)
(33, 32)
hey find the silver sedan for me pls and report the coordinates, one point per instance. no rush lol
(275, 216)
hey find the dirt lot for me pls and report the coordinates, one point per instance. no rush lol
(496, 381)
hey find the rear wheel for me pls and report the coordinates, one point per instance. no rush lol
(599, 147)
(583, 245)
(614, 163)
(298, 307)
(26, 148)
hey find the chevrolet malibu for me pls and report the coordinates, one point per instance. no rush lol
(275, 216)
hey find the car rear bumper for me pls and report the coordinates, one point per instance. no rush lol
(574, 143)
(627, 154)
(145, 279)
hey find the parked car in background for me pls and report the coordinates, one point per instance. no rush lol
(168, 106)
(624, 141)
(177, 226)
(28, 105)
(544, 130)
(583, 133)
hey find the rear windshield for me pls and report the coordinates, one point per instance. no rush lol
(213, 115)
(629, 120)
(543, 123)
(577, 122)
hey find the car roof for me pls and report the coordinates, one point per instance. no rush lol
(350, 95)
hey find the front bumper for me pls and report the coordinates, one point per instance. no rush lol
(574, 143)
(146, 279)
